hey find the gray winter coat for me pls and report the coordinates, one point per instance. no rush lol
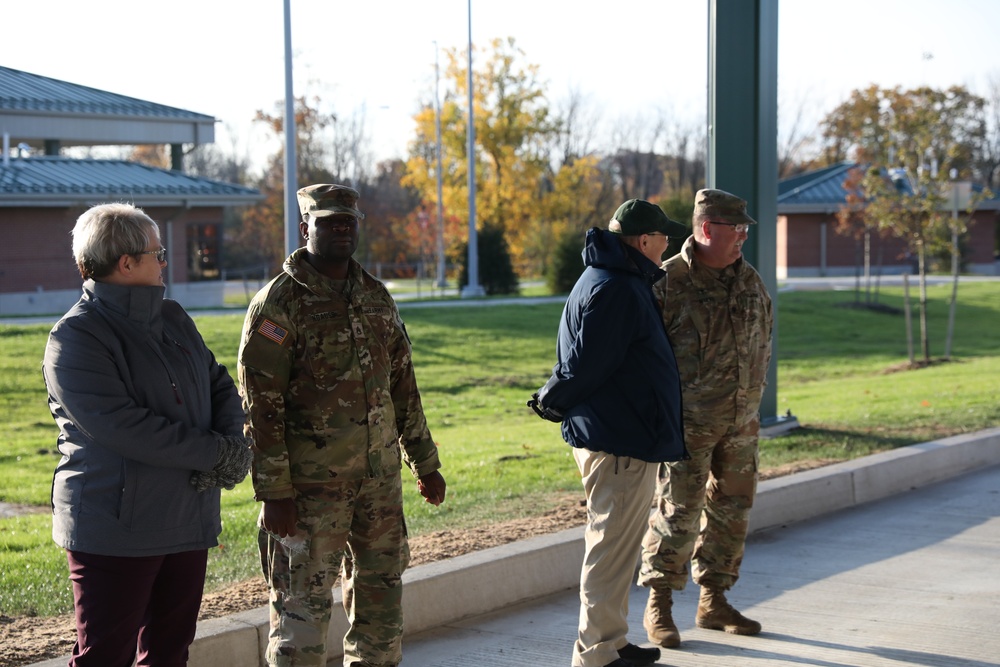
(138, 399)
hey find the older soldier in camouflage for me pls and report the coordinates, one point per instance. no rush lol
(333, 409)
(718, 317)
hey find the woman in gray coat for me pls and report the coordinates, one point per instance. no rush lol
(150, 428)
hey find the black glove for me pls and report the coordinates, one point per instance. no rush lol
(550, 414)
(231, 467)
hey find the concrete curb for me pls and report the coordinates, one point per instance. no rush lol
(814, 492)
(444, 592)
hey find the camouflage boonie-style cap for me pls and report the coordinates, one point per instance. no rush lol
(325, 199)
(721, 206)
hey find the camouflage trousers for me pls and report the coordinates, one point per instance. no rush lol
(703, 508)
(353, 528)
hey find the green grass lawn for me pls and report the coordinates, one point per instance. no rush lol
(838, 371)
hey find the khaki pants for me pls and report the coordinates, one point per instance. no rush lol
(619, 494)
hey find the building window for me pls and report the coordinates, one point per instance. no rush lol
(203, 251)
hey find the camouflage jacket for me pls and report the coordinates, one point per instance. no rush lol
(720, 324)
(328, 383)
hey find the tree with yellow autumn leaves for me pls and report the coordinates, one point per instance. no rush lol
(525, 186)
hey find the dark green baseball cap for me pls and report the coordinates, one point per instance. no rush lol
(638, 216)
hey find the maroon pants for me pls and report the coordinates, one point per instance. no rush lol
(123, 603)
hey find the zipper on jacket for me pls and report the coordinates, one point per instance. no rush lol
(178, 344)
(166, 363)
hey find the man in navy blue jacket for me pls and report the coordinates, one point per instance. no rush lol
(617, 392)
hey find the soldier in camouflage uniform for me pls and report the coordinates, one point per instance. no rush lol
(333, 409)
(719, 319)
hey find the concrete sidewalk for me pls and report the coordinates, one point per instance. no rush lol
(911, 580)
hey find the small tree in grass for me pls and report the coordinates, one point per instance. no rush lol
(910, 141)
(496, 271)
(566, 264)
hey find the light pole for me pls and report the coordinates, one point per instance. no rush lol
(291, 162)
(954, 262)
(473, 288)
(954, 221)
(442, 279)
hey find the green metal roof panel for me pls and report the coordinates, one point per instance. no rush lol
(823, 190)
(26, 92)
(40, 181)
(823, 186)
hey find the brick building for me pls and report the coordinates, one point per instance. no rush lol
(42, 192)
(809, 245)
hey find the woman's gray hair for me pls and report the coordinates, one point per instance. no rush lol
(106, 232)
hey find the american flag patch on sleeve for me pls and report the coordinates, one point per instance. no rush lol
(272, 331)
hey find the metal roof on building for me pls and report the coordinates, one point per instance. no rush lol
(822, 191)
(814, 191)
(35, 108)
(31, 92)
(57, 181)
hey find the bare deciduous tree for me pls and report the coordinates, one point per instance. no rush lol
(989, 159)
(796, 133)
(635, 148)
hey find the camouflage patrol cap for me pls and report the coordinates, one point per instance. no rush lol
(721, 206)
(324, 199)
(638, 216)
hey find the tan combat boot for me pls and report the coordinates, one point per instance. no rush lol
(658, 621)
(715, 613)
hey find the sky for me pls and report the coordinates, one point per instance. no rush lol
(629, 58)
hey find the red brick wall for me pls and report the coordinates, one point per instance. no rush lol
(781, 256)
(36, 249)
(799, 244)
(980, 245)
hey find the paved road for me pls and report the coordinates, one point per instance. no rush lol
(849, 282)
(911, 580)
(406, 299)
